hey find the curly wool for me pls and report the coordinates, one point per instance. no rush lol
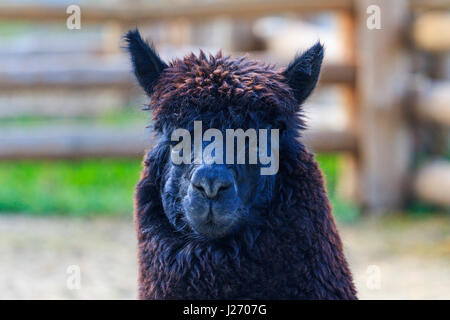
(295, 252)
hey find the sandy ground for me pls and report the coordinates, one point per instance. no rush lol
(390, 258)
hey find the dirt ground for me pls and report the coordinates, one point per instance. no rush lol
(393, 258)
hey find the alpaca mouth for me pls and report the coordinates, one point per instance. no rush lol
(211, 217)
(213, 227)
(212, 230)
(210, 223)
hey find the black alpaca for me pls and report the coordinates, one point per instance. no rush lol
(270, 237)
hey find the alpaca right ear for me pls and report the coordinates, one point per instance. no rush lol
(147, 64)
(303, 72)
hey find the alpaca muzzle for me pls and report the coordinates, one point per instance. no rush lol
(210, 206)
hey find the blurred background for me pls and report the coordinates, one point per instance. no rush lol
(72, 133)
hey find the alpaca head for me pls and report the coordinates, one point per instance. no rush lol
(211, 193)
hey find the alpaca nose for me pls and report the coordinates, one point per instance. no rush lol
(212, 180)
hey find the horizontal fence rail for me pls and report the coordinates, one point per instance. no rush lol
(426, 31)
(432, 183)
(430, 4)
(433, 103)
(77, 141)
(116, 77)
(130, 15)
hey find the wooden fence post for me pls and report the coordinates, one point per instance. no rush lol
(348, 184)
(382, 79)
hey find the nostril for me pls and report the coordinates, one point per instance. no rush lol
(211, 190)
(211, 181)
(199, 188)
(223, 187)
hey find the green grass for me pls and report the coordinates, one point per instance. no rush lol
(343, 210)
(127, 115)
(87, 187)
(9, 29)
(100, 187)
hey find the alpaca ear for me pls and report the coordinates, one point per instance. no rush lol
(303, 72)
(147, 65)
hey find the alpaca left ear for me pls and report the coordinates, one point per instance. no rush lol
(303, 72)
(147, 65)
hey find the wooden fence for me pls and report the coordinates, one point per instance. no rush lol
(430, 100)
(383, 102)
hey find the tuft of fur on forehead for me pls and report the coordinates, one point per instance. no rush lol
(197, 86)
